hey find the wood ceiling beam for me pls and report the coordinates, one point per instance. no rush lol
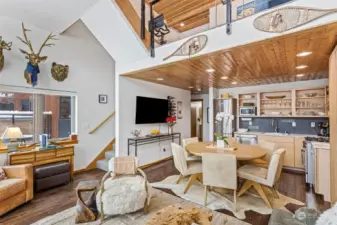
(181, 18)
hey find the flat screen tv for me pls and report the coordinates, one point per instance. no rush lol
(151, 110)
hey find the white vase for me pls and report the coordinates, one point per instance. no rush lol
(220, 143)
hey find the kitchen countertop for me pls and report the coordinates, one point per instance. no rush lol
(263, 133)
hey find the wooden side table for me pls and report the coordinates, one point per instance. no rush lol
(86, 211)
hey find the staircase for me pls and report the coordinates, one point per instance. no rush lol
(104, 163)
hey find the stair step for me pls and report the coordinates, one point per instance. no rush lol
(103, 164)
(109, 154)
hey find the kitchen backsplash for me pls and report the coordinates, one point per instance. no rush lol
(303, 125)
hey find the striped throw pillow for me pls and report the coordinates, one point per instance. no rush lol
(2, 174)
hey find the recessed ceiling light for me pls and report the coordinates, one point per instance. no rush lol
(224, 78)
(300, 67)
(182, 24)
(300, 75)
(210, 70)
(234, 82)
(302, 54)
(190, 87)
(160, 79)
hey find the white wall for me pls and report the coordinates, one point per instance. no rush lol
(205, 99)
(219, 40)
(129, 89)
(111, 28)
(91, 73)
(274, 87)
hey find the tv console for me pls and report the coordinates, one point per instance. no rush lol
(152, 139)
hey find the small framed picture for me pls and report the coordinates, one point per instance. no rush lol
(103, 99)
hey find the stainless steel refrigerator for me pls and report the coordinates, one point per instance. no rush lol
(227, 110)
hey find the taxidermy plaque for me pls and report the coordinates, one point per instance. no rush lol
(59, 72)
(6, 46)
(288, 18)
(191, 47)
(32, 68)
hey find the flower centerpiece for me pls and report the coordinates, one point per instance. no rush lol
(221, 141)
(171, 121)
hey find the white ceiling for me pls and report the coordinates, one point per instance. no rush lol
(52, 15)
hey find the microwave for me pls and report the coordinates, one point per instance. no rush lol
(248, 111)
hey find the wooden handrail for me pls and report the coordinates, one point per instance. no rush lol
(101, 124)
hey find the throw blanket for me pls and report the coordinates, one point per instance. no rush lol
(126, 165)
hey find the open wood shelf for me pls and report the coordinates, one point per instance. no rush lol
(275, 108)
(310, 107)
(278, 99)
(292, 98)
(298, 116)
(310, 97)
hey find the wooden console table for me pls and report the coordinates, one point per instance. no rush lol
(152, 139)
(42, 157)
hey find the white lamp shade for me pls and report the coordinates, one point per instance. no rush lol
(12, 133)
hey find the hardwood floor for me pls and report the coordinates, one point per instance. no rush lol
(61, 198)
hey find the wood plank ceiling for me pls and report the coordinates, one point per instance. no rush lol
(184, 15)
(265, 62)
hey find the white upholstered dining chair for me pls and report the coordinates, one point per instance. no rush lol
(188, 156)
(269, 147)
(261, 178)
(219, 170)
(186, 168)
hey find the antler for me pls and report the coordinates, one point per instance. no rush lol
(45, 43)
(26, 41)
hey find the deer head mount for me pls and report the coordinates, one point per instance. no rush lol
(32, 68)
(3, 45)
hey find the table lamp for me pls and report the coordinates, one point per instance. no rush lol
(13, 134)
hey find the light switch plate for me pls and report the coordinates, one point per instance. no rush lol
(312, 124)
(294, 124)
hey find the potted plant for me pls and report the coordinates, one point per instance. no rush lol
(171, 121)
(221, 141)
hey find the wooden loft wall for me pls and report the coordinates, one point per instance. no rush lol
(134, 20)
(333, 125)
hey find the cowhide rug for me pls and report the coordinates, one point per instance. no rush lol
(159, 200)
(222, 199)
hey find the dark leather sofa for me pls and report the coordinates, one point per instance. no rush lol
(51, 175)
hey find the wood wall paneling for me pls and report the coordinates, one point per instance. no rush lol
(265, 62)
(333, 125)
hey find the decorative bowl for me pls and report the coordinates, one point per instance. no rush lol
(276, 97)
(309, 95)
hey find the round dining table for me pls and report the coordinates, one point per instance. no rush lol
(242, 152)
